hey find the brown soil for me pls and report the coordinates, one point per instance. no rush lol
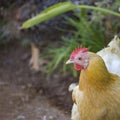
(27, 95)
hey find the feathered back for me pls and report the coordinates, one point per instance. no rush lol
(115, 45)
(111, 56)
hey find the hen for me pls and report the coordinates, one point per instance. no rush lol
(97, 95)
(111, 57)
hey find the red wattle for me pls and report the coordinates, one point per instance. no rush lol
(78, 67)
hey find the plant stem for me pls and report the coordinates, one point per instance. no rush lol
(98, 8)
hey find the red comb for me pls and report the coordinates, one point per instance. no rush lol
(80, 49)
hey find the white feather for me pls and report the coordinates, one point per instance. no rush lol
(111, 56)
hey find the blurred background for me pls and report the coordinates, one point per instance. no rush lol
(34, 79)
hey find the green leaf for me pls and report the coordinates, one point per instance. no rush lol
(49, 13)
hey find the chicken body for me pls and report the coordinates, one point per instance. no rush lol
(97, 95)
(100, 99)
(111, 57)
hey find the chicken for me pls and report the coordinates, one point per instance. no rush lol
(97, 95)
(111, 57)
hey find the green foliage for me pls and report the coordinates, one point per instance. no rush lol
(91, 34)
(59, 55)
(50, 12)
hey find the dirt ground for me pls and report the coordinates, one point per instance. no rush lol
(27, 95)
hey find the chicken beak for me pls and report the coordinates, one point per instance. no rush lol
(69, 61)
